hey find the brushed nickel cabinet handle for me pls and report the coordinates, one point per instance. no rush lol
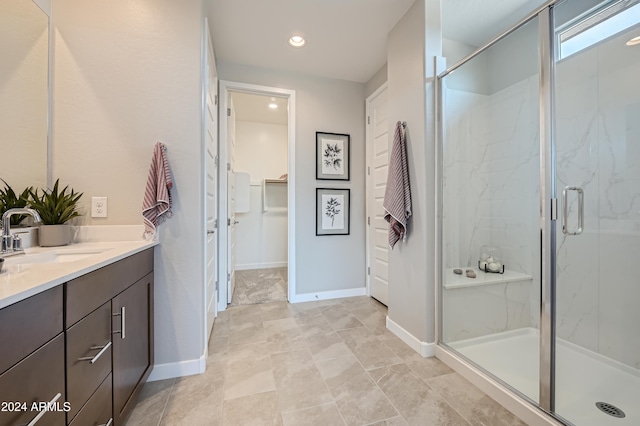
(123, 318)
(107, 423)
(93, 359)
(43, 412)
(124, 323)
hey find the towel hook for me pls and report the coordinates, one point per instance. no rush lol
(404, 124)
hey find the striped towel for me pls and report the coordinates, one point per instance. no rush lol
(397, 195)
(156, 206)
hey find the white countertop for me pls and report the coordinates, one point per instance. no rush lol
(19, 280)
(452, 280)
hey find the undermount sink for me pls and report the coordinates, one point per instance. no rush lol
(54, 256)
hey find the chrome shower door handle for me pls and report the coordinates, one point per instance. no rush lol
(565, 210)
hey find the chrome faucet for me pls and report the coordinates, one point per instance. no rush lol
(11, 244)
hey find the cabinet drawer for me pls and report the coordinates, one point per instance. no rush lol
(88, 292)
(87, 363)
(37, 378)
(29, 324)
(97, 411)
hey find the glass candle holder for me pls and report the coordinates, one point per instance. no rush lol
(490, 259)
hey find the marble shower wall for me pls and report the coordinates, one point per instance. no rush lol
(491, 174)
(598, 149)
(491, 196)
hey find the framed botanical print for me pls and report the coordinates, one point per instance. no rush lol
(332, 211)
(332, 156)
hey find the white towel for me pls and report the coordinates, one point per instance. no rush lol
(156, 206)
(397, 195)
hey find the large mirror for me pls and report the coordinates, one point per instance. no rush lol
(24, 93)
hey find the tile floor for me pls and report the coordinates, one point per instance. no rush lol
(260, 286)
(318, 363)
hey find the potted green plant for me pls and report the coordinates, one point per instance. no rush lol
(9, 200)
(56, 207)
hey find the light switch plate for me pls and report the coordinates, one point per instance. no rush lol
(98, 206)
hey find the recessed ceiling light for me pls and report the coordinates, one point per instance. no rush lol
(297, 41)
(633, 41)
(273, 105)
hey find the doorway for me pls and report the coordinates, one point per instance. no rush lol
(257, 131)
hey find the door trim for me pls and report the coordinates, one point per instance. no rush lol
(546, 44)
(225, 87)
(207, 54)
(368, 181)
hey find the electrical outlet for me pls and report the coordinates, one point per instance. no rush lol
(98, 206)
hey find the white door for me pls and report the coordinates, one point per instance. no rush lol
(231, 200)
(377, 167)
(211, 185)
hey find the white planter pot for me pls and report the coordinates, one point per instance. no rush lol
(54, 235)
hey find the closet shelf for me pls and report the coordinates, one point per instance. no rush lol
(272, 200)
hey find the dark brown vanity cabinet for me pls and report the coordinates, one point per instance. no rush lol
(109, 320)
(132, 344)
(32, 360)
(85, 347)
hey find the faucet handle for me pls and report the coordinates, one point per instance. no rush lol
(17, 243)
(7, 243)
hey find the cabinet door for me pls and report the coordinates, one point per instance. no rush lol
(38, 378)
(132, 325)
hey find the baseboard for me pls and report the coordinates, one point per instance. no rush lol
(178, 369)
(266, 265)
(326, 295)
(425, 349)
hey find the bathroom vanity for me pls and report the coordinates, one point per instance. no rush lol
(76, 331)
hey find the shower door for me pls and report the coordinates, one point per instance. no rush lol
(490, 210)
(597, 174)
(539, 167)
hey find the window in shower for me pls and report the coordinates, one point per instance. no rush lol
(491, 203)
(596, 25)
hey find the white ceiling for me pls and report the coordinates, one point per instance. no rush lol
(346, 39)
(251, 107)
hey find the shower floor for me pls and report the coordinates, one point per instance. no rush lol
(582, 377)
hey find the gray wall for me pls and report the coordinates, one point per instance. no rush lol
(470, 77)
(377, 80)
(511, 60)
(324, 263)
(125, 78)
(411, 286)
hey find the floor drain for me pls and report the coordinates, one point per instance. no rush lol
(610, 409)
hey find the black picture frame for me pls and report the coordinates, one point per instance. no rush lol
(336, 199)
(333, 156)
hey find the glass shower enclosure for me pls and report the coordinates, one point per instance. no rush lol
(539, 210)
